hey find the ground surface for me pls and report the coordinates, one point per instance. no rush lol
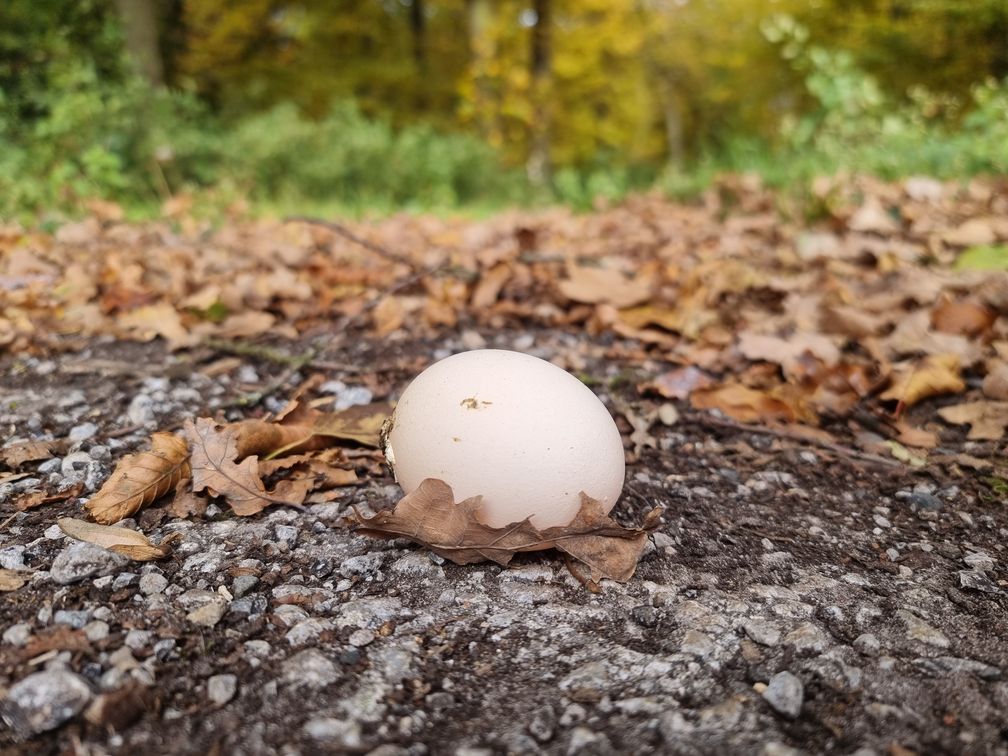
(796, 598)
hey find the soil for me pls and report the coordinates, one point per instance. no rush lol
(878, 587)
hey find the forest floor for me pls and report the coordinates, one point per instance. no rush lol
(819, 408)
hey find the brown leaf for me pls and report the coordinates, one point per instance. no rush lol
(294, 490)
(961, 318)
(932, 376)
(995, 383)
(593, 285)
(389, 315)
(976, 232)
(918, 437)
(431, 517)
(140, 479)
(787, 352)
(186, 503)
(987, 420)
(327, 476)
(150, 321)
(130, 543)
(10, 580)
(214, 451)
(749, 405)
(850, 321)
(17, 454)
(871, 217)
(489, 287)
(38, 498)
(913, 335)
(245, 324)
(60, 638)
(121, 707)
(678, 383)
(304, 428)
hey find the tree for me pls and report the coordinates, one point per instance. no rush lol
(141, 28)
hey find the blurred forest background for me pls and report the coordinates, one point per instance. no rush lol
(374, 105)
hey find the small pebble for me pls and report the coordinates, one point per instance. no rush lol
(141, 411)
(152, 583)
(221, 688)
(361, 637)
(82, 432)
(50, 466)
(243, 584)
(100, 453)
(785, 694)
(925, 502)
(17, 635)
(43, 701)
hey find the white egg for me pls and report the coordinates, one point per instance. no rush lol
(520, 432)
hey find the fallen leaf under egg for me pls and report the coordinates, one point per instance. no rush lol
(431, 517)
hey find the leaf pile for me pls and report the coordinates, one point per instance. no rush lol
(880, 306)
(431, 517)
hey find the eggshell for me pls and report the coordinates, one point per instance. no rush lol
(520, 432)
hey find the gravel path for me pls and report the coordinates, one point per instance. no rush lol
(795, 600)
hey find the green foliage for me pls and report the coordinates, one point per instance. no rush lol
(433, 104)
(95, 138)
(361, 163)
(851, 124)
(138, 146)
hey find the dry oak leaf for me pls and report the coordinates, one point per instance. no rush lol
(995, 383)
(150, 321)
(593, 285)
(913, 335)
(987, 420)
(787, 352)
(749, 405)
(11, 580)
(431, 517)
(489, 287)
(304, 428)
(678, 383)
(140, 479)
(215, 469)
(17, 454)
(38, 498)
(186, 503)
(130, 543)
(962, 318)
(976, 232)
(932, 376)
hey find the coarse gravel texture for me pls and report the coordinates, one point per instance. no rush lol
(795, 600)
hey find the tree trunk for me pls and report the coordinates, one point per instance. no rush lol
(140, 25)
(418, 30)
(481, 52)
(538, 165)
(673, 118)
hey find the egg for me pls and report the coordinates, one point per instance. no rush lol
(522, 433)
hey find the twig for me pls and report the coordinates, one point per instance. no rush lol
(255, 397)
(246, 349)
(346, 233)
(763, 430)
(8, 521)
(120, 432)
(377, 297)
